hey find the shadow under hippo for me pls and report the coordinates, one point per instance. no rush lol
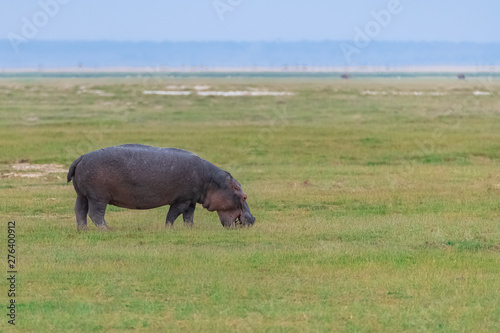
(136, 176)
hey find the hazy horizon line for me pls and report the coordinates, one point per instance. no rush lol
(251, 41)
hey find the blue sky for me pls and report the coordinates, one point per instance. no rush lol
(251, 20)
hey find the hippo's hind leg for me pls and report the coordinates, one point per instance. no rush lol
(176, 210)
(188, 214)
(81, 210)
(96, 213)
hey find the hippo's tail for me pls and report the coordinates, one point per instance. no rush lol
(71, 172)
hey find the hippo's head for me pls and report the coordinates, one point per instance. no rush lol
(230, 203)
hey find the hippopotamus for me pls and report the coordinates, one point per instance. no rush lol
(136, 176)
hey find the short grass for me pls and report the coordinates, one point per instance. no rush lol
(375, 212)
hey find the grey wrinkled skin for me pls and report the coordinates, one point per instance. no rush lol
(136, 176)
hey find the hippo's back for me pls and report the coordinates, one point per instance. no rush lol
(144, 150)
(137, 160)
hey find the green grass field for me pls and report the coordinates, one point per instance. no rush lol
(377, 203)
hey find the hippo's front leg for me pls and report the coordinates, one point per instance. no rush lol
(188, 215)
(176, 210)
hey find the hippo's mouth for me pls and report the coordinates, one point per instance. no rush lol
(244, 220)
(238, 221)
